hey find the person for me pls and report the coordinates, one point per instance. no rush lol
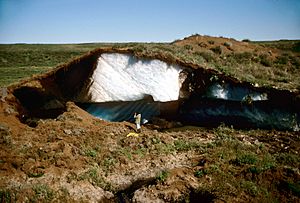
(137, 117)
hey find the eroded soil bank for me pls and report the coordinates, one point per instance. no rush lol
(112, 84)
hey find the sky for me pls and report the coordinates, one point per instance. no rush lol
(82, 21)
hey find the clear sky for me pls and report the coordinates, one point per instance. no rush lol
(75, 21)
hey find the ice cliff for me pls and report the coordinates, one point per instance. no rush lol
(123, 77)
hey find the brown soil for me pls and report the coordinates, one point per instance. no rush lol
(228, 45)
(77, 157)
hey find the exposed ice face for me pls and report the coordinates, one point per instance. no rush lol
(123, 111)
(229, 92)
(217, 91)
(122, 77)
(258, 115)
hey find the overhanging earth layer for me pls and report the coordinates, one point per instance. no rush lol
(112, 84)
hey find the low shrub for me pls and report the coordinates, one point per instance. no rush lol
(206, 55)
(217, 50)
(188, 47)
(211, 42)
(246, 40)
(282, 60)
(162, 176)
(265, 60)
(242, 57)
(245, 158)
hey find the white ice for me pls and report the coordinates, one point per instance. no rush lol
(229, 92)
(123, 77)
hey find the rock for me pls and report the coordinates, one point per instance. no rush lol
(202, 44)
(142, 196)
(83, 191)
(9, 110)
(5, 134)
(246, 142)
(75, 132)
(257, 143)
(78, 131)
(228, 44)
(3, 93)
(61, 117)
(67, 131)
(67, 116)
(270, 53)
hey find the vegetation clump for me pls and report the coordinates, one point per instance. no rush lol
(162, 176)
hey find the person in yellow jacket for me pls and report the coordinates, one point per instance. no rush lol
(137, 117)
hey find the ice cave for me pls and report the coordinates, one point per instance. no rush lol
(114, 84)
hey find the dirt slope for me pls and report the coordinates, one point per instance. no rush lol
(77, 157)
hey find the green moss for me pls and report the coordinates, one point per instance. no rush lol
(6, 196)
(43, 191)
(183, 145)
(246, 158)
(200, 173)
(250, 188)
(288, 159)
(35, 175)
(90, 153)
(162, 176)
(94, 178)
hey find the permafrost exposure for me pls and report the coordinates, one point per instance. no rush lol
(230, 92)
(123, 77)
(114, 84)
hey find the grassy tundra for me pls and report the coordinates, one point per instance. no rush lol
(273, 64)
